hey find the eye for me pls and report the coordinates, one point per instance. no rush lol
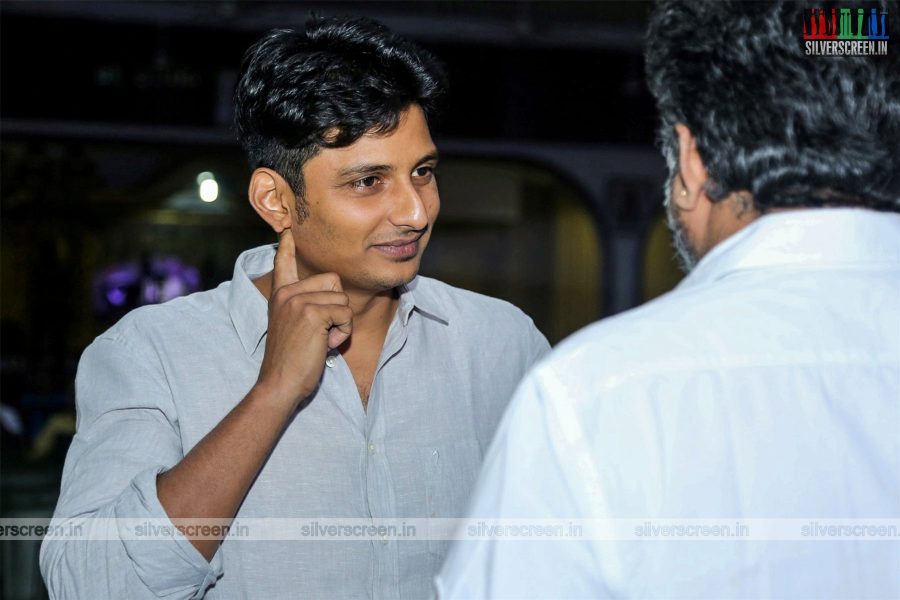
(366, 182)
(425, 172)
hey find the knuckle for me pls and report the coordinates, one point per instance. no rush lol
(296, 306)
(279, 295)
(294, 300)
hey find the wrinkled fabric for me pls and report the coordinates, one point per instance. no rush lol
(157, 382)
(764, 387)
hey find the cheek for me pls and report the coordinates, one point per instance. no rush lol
(432, 205)
(334, 226)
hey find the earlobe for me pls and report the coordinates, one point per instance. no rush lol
(271, 198)
(681, 196)
(692, 172)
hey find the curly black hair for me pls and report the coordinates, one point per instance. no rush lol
(325, 86)
(791, 129)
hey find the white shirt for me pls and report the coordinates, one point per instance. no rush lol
(766, 386)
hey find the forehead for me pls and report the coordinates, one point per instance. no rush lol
(403, 147)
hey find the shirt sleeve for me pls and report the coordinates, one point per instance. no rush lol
(522, 478)
(127, 433)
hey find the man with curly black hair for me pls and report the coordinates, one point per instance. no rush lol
(703, 445)
(322, 390)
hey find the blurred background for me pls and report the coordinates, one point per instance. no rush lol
(121, 183)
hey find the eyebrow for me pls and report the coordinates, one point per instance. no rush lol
(363, 169)
(368, 169)
(431, 156)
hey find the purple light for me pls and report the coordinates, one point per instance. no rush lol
(191, 277)
(149, 281)
(116, 296)
(122, 274)
(172, 287)
(149, 293)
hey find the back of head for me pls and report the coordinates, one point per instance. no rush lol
(326, 85)
(793, 130)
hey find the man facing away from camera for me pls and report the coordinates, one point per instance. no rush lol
(325, 380)
(766, 387)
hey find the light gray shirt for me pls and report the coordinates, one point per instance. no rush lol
(157, 382)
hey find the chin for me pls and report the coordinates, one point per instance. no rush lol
(398, 281)
(383, 281)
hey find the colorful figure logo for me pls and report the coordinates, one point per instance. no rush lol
(818, 25)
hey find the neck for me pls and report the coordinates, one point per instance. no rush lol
(726, 218)
(372, 311)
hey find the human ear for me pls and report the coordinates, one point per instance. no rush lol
(272, 198)
(691, 170)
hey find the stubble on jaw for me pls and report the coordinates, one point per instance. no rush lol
(685, 251)
(376, 281)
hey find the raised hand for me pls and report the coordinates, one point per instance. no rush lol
(307, 317)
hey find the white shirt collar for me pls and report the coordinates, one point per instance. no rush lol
(804, 237)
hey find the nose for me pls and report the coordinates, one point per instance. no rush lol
(408, 209)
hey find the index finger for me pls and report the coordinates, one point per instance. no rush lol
(285, 272)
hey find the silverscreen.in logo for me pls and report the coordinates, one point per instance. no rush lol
(845, 32)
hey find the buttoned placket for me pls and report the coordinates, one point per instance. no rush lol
(379, 490)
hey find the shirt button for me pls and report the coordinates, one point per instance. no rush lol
(330, 361)
(371, 448)
(384, 540)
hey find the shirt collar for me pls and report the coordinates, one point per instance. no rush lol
(807, 237)
(415, 296)
(249, 310)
